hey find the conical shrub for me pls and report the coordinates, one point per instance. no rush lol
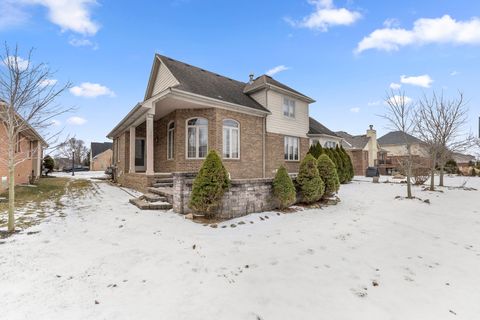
(316, 150)
(328, 173)
(209, 185)
(283, 189)
(310, 184)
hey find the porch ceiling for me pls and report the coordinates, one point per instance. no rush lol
(171, 103)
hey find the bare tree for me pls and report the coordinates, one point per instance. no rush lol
(453, 115)
(428, 124)
(73, 147)
(400, 118)
(28, 94)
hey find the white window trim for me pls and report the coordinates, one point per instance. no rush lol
(172, 157)
(197, 138)
(294, 108)
(298, 143)
(238, 139)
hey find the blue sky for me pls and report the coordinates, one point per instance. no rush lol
(108, 46)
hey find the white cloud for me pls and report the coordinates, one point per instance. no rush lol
(56, 123)
(276, 70)
(454, 73)
(326, 15)
(70, 15)
(374, 103)
(48, 82)
(76, 121)
(83, 43)
(11, 14)
(391, 23)
(398, 99)
(424, 31)
(424, 81)
(395, 86)
(91, 90)
(22, 63)
(355, 110)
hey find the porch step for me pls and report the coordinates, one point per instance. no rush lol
(143, 204)
(152, 197)
(162, 184)
(166, 192)
(164, 180)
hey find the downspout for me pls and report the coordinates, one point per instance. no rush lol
(264, 129)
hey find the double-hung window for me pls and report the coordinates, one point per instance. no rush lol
(171, 140)
(231, 139)
(291, 148)
(197, 138)
(288, 107)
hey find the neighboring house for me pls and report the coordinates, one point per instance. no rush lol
(101, 154)
(28, 150)
(255, 127)
(364, 150)
(318, 133)
(62, 163)
(464, 161)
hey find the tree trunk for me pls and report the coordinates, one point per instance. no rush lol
(409, 173)
(11, 192)
(432, 173)
(441, 175)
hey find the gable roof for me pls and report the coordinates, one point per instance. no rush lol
(397, 138)
(264, 80)
(202, 82)
(98, 147)
(354, 142)
(318, 128)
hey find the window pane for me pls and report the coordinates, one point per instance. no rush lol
(286, 148)
(197, 121)
(295, 154)
(230, 123)
(203, 141)
(235, 148)
(191, 143)
(226, 143)
(171, 125)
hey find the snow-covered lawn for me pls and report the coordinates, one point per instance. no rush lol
(369, 257)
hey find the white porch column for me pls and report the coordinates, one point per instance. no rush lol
(149, 142)
(132, 150)
(39, 159)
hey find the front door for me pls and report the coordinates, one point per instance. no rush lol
(140, 154)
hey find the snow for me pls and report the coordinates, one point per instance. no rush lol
(81, 174)
(312, 264)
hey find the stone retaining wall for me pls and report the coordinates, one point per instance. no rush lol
(244, 196)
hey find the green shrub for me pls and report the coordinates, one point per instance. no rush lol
(48, 163)
(342, 174)
(283, 189)
(309, 182)
(349, 164)
(451, 167)
(209, 185)
(316, 150)
(328, 173)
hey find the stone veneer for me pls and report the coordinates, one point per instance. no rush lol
(244, 196)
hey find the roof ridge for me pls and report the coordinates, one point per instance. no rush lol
(201, 69)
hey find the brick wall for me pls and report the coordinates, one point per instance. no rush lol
(102, 161)
(23, 170)
(359, 161)
(275, 157)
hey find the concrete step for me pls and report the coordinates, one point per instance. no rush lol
(162, 184)
(166, 192)
(152, 197)
(145, 205)
(164, 180)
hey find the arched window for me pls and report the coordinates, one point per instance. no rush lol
(231, 139)
(197, 138)
(171, 140)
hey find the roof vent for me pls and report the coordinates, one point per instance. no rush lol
(371, 127)
(251, 75)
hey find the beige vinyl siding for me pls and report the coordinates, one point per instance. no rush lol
(401, 150)
(260, 97)
(164, 80)
(278, 123)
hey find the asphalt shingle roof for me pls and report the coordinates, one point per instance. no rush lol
(318, 128)
(397, 138)
(199, 81)
(356, 142)
(264, 80)
(98, 147)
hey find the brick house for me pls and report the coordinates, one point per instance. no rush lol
(255, 126)
(100, 155)
(29, 154)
